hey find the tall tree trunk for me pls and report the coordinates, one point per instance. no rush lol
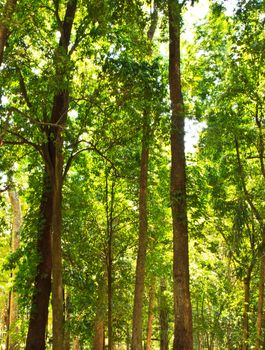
(67, 337)
(246, 310)
(52, 153)
(16, 225)
(142, 243)
(260, 219)
(182, 305)
(4, 24)
(260, 302)
(109, 216)
(42, 284)
(163, 317)
(99, 338)
(259, 120)
(143, 216)
(150, 317)
(57, 283)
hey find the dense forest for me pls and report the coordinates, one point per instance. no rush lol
(112, 236)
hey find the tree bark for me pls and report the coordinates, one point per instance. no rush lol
(42, 284)
(150, 317)
(163, 317)
(182, 305)
(142, 243)
(8, 11)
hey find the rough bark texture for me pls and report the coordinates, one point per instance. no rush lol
(150, 317)
(163, 317)
(4, 24)
(42, 284)
(16, 225)
(182, 305)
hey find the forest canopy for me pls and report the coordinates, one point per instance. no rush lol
(117, 230)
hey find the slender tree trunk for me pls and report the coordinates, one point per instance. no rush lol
(67, 337)
(163, 317)
(260, 219)
(150, 317)
(98, 341)
(57, 283)
(99, 338)
(142, 245)
(182, 305)
(42, 284)
(109, 215)
(8, 320)
(246, 310)
(76, 345)
(13, 311)
(5, 19)
(260, 302)
(143, 217)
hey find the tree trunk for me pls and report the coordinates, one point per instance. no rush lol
(57, 283)
(260, 302)
(150, 317)
(76, 344)
(182, 305)
(260, 219)
(143, 216)
(98, 342)
(67, 337)
(53, 158)
(16, 225)
(163, 317)
(109, 215)
(42, 284)
(142, 245)
(4, 24)
(246, 310)
(99, 339)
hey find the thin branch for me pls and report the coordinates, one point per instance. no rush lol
(23, 88)
(23, 141)
(71, 158)
(32, 120)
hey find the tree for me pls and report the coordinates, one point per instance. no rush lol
(182, 305)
